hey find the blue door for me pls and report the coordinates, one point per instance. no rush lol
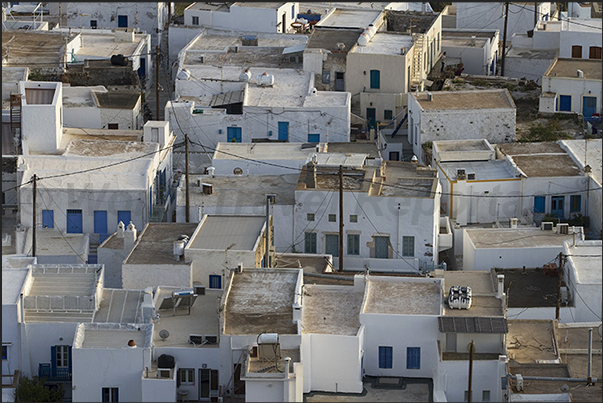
(314, 138)
(381, 247)
(386, 355)
(557, 206)
(124, 216)
(565, 103)
(74, 222)
(100, 225)
(122, 21)
(48, 218)
(370, 117)
(589, 106)
(234, 135)
(215, 281)
(539, 204)
(375, 79)
(413, 358)
(283, 131)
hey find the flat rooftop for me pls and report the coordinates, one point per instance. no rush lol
(358, 147)
(484, 170)
(327, 179)
(10, 81)
(155, 244)
(465, 100)
(567, 68)
(220, 40)
(348, 18)
(117, 99)
(546, 54)
(12, 283)
(53, 242)
(78, 97)
(102, 336)
(204, 6)
(34, 48)
(243, 190)
(585, 256)
(463, 145)
(260, 4)
(407, 179)
(119, 306)
(203, 319)
(529, 289)
(483, 302)
(386, 43)
(328, 38)
(451, 42)
(263, 151)
(310, 264)
(546, 159)
(587, 152)
(219, 232)
(331, 309)
(513, 238)
(412, 20)
(530, 340)
(105, 45)
(403, 296)
(467, 33)
(261, 300)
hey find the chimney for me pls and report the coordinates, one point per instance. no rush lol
(500, 285)
(311, 175)
(414, 159)
(130, 236)
(429, 96)
(120, 229)
(473, 40)
(132, 344)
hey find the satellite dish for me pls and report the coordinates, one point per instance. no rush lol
(565, 388)
(164, 334)
(237, 171)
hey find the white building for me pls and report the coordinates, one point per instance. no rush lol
(583, 278)
(476, 49)
(97, 108)
(242, 16)
(149, 18)
(522, 17)
(574, 86)
(460, 115)
(487, 248)
(391, 215)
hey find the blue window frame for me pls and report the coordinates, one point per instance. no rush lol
(124, 216)
(557, 207)
(122, 21)
(565, 103)
(413, 358)
(314, 138)
(375, 79)
(539, 203)
(48, 218)
(283, 131)
(386, 355)
(575, 203)
(215, 281)
(74, 222)
(234, 134)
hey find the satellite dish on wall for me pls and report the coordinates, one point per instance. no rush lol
(164, 334)
(237, 171)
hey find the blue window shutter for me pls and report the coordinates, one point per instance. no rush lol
(375, 79)
(389, 357)
(69, 358)
(539, 204)
(53, 358)
(48, 218)
(381, 357)
(413, 358)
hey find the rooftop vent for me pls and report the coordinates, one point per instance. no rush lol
(546, 226)
(471, 176)
(460, 174)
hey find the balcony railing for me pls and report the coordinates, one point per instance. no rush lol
(54, 374)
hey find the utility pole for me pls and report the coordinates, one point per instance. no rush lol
(469, 392)
(535, 14)
(504, 44)
(340, 219)
(267, 234)
(157, 83)
(35, 222)
(559, 278)
(188, 201)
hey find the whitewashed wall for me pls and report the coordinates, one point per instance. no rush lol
(585, 37)
(112, 259)
(453, 379)
(207, 262)
(530, 68)
(41, 124)
(11, 333)
(38, 339)
(576, 87)
(140, 276)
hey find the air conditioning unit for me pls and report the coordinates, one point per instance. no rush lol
(546, 226)
(196, 339)
(211, 339)
(513, 222)
(471, 176)
(564, 295)
(460, 174)
(563, 228)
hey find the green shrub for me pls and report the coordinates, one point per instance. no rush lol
(33, 390)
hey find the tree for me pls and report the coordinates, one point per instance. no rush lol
(33, 390)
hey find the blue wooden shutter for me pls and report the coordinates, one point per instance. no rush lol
(53, 358)
(375, 79)
(413, 358)
(48, 218)
(539, 204)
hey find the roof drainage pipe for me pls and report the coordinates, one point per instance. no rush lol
(553, 378)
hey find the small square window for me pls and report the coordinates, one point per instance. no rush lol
(387, 114)
(93, 24)
(310, 217)
(113, 126)
(353, 218)
(332, 217)
(195, 20)
(485, 395)
(186, 376)
(5, 352)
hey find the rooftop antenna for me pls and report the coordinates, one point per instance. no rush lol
(164, 334)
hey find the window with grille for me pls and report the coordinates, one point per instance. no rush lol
(353, 244)
(186, 376)
(310, 217)
(332, 217)
(408, 246)
(110, 394)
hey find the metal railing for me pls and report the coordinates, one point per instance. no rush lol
(47, 373)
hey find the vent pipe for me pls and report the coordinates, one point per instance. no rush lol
(500, 286)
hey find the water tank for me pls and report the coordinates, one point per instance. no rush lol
(363, 40)
(268, 338)
(183, 75)
(119, 60)
(245, 76)
(265, 79)
(166, 361)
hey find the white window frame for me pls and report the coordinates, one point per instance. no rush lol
(189, 376)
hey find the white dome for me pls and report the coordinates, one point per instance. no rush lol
(363, 40)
